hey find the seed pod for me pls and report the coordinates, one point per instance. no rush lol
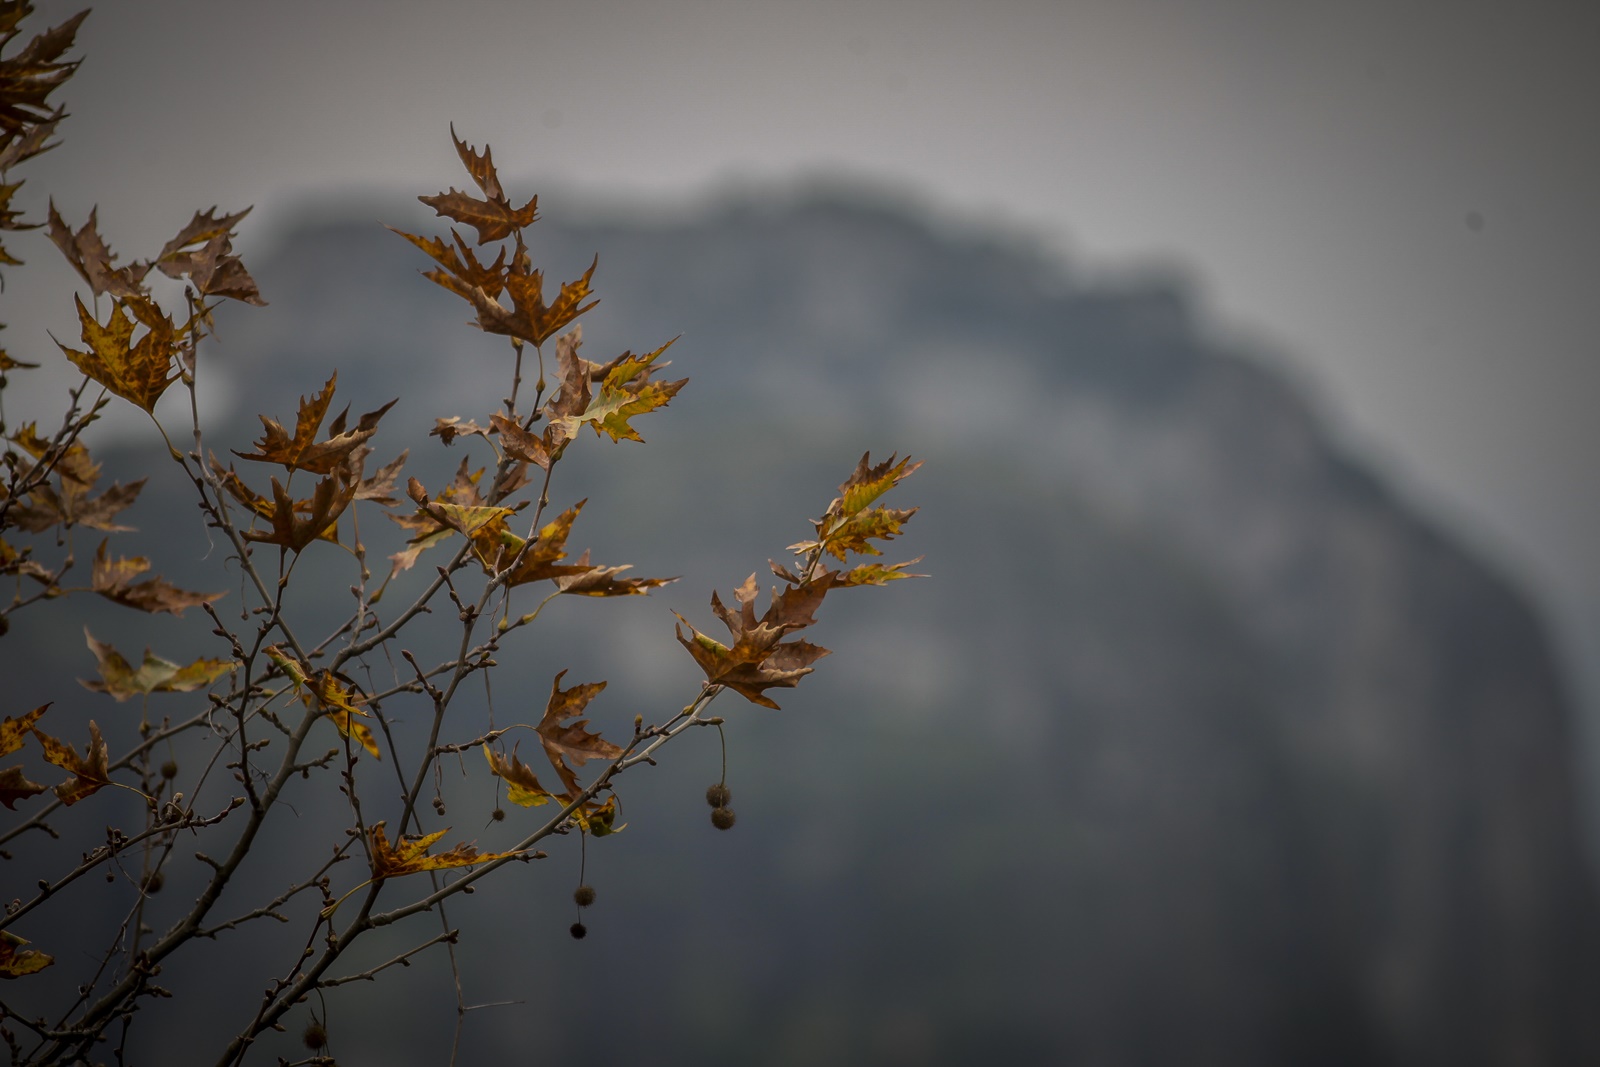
(719, 795)
(578, 931)
(722, 818)
(583, 895)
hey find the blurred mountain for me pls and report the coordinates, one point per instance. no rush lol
(1199, 746)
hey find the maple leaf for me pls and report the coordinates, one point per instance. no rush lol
(71, 505)
(847, 525)
(155, 675)
(626, 391)
(338, 698)
(211, 266)
(447, 430)
(427, 531)
(519, 444)
(94, 261)
(462, 272)
(410, 854)
(28, 78)
(15, 960)
(603, 581)
(302, 451)
(14, 731)
(599, 820)
(493, 218)
(328, 501)
(759, 659)
(570, 744)
(380, 487)
(878, 573)
(111, 580)
(136, 372)
(530, 319)
(7, 363)
(89, 771)
(31, 141)
(14, 562)
(15, 786)
(522, 787)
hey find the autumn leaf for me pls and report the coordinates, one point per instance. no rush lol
(302, 451)
(878, 573)
(339, 699)
(120, 680)
(517, 443)
(135, 372)
(112, 578)
(493, 218)
(410, 854)
(14, 731)
(15, 960)
(599, 820)
(89, 255)
(380, 487)
(203, 250)
(847, 525)
(626, 391)
(15, 786)
(447, 430)
(15, 562)
(89, 771)
(69, 502)
(530, 318)
(29, 77)
(759, 659)
(427, 531)
(522, 787)
(462, 271)
(570, 744)
(604, 581)
(328, 501)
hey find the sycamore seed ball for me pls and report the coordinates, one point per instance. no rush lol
(719, 795)
(583, 895)
(722, 818)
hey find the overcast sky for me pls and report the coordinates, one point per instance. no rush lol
(1400, 198)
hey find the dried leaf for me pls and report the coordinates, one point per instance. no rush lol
(112, 578)
(155, 675)
(569, 745)
(335, 696)
(522, 787)
(530, 319)
(136, 372)
(14, 731)
(328, 501)
(15, 960)
(89, 771)
(410, 854)
(302, 451)
(15, 786)
(94, 261)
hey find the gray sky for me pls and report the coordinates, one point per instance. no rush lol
(1398, 197)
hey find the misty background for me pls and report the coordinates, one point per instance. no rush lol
(1256, 335)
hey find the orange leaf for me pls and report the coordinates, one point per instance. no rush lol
(136, 372)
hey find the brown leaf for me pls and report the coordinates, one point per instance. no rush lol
(155, 675)
(112, 579)
(136, 372)
(335, 696)
(518, 443)
(569, 744)
(530, 318)
(410, 854)
(15, 786)
(89, 255)
(625, 391)
(481, 167)
(89, 771)
(302, 451)
(14, 731)
(328, 501)
(522, 787)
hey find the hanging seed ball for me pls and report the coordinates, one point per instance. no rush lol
(578, 931)
(718, 795)
(583, 895)
(154, 882)
(498, 815)
(315, 1036)
(722, 818)
(169, 770)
